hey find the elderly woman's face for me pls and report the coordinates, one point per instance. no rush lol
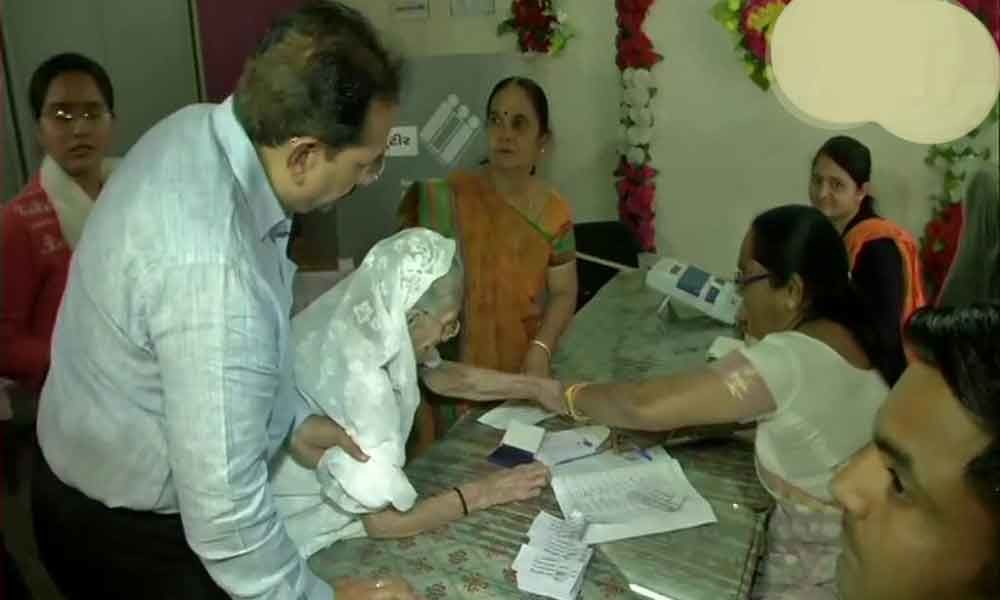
(427, 331)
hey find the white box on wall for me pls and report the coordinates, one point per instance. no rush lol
(473, 8)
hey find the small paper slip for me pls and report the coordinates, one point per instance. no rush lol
(722, 346)
(552, 564)
(518, 446)
(549, 531)
(646, 497)
(562, 446)
(514, 410)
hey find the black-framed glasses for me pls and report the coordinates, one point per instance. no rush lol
(742, 281)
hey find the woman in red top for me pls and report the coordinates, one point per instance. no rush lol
(73, 104)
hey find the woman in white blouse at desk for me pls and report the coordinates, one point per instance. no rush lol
(814, 383)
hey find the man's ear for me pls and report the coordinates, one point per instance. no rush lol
(302, 156)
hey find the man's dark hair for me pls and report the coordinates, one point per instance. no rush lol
(963, 343)
(316, 73)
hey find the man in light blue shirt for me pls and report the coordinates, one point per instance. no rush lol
(171, 384)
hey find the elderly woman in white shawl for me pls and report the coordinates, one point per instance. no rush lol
(358, 348)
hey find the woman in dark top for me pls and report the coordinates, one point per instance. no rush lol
(884, 257)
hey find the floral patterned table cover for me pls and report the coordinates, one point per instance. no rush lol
(619, 335)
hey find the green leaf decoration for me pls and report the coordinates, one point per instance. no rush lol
(720, 12)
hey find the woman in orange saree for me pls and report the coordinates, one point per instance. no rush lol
(515, 233)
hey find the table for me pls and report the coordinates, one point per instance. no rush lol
(617, 335)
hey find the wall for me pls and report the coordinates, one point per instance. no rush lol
(11, 177)
(581, 84)
(725, 149)
(228, 34)
(728, 151)
(145, 45)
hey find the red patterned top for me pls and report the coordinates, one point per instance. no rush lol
(35, 262)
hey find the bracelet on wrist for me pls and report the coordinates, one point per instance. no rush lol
(544, 347)
(461, 497)
(569, 402)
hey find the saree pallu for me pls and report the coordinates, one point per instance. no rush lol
(506, 255)
(803, 546)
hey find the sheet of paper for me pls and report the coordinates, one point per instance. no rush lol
(552, 564)
(562, 446)
(546, 529)
(514, 410)
(635, 500)
(525, 437)
(609, 459)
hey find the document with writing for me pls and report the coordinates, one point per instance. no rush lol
(552, 564)
(639, 498)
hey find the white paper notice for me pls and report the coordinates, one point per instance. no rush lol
(403, 141)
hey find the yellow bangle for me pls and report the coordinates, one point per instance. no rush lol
(569, 402)
(543, 346)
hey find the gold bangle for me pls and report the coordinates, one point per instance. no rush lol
(543, 346)
(569, 402)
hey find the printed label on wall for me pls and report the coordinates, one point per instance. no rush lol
(403, 141)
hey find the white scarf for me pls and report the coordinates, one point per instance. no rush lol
(354, 362)
(71, 203)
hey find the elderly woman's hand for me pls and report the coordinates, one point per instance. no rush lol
(507, 485)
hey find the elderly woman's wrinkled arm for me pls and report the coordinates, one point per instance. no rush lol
(500, 487)
(456, 380)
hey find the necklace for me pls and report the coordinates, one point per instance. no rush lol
(533, 206)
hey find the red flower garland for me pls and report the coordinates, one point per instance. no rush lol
(988, 12)
(635, 186)
(943, 232)
(539, 27)
(941, 236)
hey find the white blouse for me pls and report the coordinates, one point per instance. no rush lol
(825, 410)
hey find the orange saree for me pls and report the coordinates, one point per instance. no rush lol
(506, 255)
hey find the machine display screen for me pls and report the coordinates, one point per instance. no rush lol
(693, 280)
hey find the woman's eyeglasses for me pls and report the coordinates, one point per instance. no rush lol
(66, 115)
(742, 281)
(448, 330)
